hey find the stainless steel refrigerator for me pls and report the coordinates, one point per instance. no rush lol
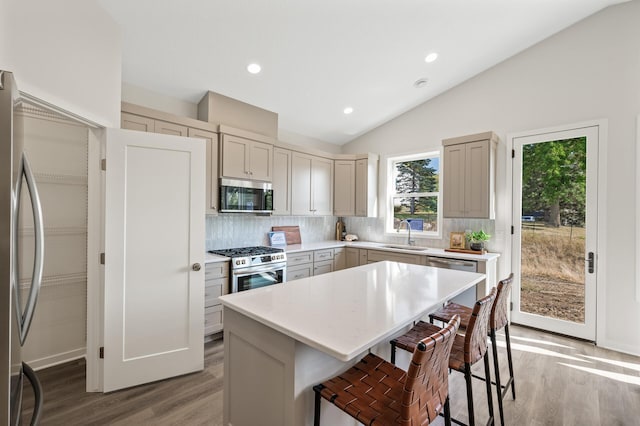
(15, 178)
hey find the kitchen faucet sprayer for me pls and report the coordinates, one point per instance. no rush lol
(409, 241)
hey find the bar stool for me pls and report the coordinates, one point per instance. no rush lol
(466, 350)
(498, 319)
(375, 391)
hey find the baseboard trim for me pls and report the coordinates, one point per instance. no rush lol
(61, 358)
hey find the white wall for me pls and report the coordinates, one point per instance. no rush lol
(150, 99)
(587, 72)
(66, 52)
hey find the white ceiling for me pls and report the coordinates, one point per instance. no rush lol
(319, 57)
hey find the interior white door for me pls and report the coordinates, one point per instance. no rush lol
(154, 254)
(555, 267)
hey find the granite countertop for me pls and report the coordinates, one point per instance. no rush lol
(344, 313)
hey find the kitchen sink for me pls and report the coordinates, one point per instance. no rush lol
(405, 247)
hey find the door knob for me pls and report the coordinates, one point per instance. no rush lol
(196, 267)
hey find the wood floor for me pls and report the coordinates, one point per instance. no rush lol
(559, 381)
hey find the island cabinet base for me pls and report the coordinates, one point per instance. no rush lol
(269, 377)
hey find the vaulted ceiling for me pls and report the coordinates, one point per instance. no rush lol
(320, 57)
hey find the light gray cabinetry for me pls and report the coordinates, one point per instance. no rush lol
(304, 264)
(380, 255)
(246, 159)
(216, 284)
(299, 265)
(322, 261)
(142, 119)
(367, 186)
(355, 257)
(339, 258)
(212, 166)
(281, 181)
(344, 188)
(311, 185)
(469, 176)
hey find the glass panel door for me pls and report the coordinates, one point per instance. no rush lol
(555, 223)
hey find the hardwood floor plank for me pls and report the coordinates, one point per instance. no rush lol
(559, 381)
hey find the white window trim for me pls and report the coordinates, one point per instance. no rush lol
(389, 191)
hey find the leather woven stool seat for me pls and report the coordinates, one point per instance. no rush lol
(376, 392)
(466, 350)
(447, 312)
(498, 320)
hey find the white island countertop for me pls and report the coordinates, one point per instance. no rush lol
(344, 313)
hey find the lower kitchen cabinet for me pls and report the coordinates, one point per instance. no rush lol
(380, 255)
(305, 264)
(216, 284)
(299, 265)
(339, 258)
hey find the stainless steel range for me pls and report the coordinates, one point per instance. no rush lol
(254, 267)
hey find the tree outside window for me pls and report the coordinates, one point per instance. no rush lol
(415, 194)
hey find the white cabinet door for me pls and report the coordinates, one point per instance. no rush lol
(261, 161)
(154, 233)
(235, 157)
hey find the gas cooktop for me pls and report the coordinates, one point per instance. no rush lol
(244, 257)
(247, 251)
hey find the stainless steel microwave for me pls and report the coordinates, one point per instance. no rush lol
(245, 196)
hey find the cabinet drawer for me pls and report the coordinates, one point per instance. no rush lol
(212, 319)
(299, 271)
(300, 258)
(321, 255)
(214, 289)
(216, 270)
(322, 267)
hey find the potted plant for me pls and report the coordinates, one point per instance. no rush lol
(476, 239)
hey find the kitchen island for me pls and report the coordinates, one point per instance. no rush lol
(283, 339)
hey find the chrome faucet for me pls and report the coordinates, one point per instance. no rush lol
(409, 241)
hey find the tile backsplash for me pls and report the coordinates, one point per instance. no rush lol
(241, 230)
(372, 229)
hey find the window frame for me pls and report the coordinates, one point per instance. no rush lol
(391, 194)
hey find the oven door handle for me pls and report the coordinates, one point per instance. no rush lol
(257, 269)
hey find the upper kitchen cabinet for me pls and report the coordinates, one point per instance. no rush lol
(469, 176)
(246, 158)
(344, 189)
(355, 188)
(135, 117)
(367, 186)
(311, 185)
(281, 181)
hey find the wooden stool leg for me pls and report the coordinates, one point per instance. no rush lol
(393, 352)
(467, 378)
(496, 368)
(512, 379)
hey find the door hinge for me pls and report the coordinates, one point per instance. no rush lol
(511, 306)
(101, 352)
(512, 230)
(102, 258)
(513, 153)
(103, 164)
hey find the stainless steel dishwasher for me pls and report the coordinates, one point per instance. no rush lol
(468, 297)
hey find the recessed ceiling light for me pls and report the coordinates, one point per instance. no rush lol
(431, 57)
(254, 68)
(421, 82)
(348, 110)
